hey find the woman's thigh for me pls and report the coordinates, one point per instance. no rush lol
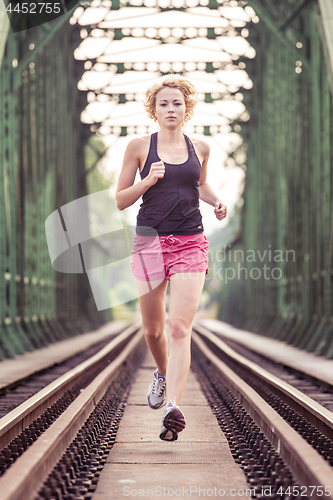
(152, 304)
(185, 293)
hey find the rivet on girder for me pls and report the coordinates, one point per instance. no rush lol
(209, 67)
(118, 34)
(120, 68)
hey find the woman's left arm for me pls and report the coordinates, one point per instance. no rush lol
(205, 191)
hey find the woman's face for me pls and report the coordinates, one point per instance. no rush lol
(170, 109)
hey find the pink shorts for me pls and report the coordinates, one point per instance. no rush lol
(158, 257)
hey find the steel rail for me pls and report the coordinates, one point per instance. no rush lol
(308, 466)
(314, 412)
(18, 419)
(24, 478)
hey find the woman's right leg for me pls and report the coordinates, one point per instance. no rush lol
(152, 305)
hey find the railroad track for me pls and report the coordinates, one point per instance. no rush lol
(299, 428)
(14, 394)
(60, 453)
(35, 435)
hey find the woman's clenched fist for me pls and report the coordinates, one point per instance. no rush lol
(156, 172)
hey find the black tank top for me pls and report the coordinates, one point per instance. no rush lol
(171, 206)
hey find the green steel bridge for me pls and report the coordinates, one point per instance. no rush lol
(69, 83)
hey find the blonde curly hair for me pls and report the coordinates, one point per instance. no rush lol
(174, 81)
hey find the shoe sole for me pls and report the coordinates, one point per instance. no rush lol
(168, 435)
(174, 422)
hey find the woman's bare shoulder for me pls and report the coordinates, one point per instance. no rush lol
(139, 143)
(136, 152)
(137, 149)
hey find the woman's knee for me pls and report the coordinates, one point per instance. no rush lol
(179, 329)
(153, 333)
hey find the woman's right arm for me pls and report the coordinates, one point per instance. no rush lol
(127, 193)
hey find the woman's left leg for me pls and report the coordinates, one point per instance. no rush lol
(185, 293)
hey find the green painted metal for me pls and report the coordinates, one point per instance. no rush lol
(4, 28)
(325, 21)
(288, 187)
(264, 12)
(42, 168)
(46, 37)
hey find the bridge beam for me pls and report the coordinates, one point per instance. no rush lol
(326, 24)
(271, 25)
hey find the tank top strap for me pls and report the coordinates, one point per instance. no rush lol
(153, 142)
(191, 148)
(152, 155)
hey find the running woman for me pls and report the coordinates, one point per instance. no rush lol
(169, 244)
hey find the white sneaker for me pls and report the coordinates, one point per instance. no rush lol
(173, 422)
(156, 392)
